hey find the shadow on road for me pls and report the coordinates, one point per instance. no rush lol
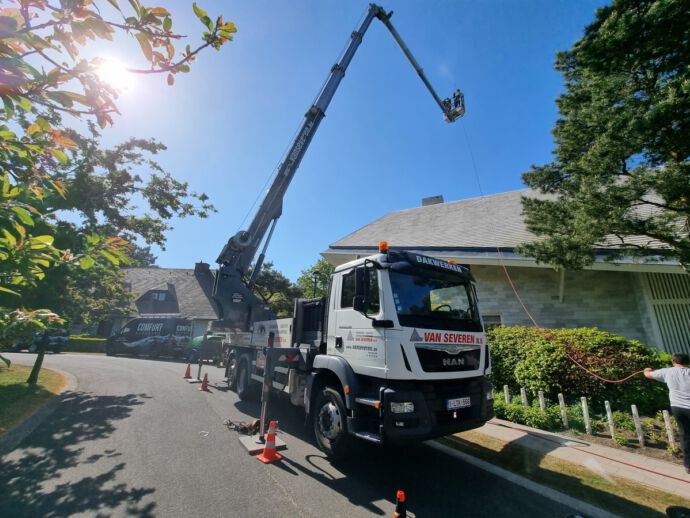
(525, 457)
(30, 475)
(433, 481)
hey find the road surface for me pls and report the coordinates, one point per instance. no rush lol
(134, 439)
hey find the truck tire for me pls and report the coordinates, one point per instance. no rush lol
(231, 370)
(246, 390)
(330, 424)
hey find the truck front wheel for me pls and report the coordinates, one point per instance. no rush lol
(330, 424)
(245, 388)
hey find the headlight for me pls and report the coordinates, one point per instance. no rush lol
(405, 407)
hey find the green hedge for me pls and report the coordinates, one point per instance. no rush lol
(537, 360)
(85, 344)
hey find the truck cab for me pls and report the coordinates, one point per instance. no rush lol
(405, 336)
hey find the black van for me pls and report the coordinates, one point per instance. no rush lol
(152, 336)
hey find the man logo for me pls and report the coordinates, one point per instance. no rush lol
(454, 362)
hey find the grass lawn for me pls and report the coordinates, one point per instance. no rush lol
(617, 495)
(18, 400)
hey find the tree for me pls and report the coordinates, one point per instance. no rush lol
(46, 167)
(276, 290)
(620, 179)
(314, 280)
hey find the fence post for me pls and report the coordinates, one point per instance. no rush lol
(638, 425)
(506, 394)
(564, 413)
(585, 414)
(669, 428)
(609, 416)
(523, 397)
(542, 402)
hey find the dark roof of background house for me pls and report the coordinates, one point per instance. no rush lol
(193, 290)
(487, 222)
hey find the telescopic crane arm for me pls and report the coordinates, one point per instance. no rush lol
(237, 255)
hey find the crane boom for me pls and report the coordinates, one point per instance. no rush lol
(233, 297)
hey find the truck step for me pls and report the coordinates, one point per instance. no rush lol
(368, 436)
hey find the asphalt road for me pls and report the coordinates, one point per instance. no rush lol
(134, 439)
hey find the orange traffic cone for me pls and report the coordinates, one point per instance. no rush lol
(204, 383)
(188, 372)
(400, 505)
(270, 454)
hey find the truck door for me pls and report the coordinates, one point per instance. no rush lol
(354, 338)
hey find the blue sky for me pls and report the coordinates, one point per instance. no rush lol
(383, 145)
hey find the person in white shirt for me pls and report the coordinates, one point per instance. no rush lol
(678, 380)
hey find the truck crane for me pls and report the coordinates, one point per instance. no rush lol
(395, 352)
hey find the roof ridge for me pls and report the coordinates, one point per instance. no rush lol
(463, 200)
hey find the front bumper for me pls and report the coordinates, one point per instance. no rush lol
(431, 418)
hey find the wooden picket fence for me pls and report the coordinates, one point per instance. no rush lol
(588, 422)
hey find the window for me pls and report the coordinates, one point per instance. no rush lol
(158, 295)
(434, 301)
(491, 321)
(349, 288)
(348, 291)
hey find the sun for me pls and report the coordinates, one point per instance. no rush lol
(115, 74)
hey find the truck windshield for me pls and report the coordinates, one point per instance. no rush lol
(427, 300)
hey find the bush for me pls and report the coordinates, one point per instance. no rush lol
(623, 421)
(537, 359)
(530, 416)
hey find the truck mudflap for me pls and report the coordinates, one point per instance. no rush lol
(440, 408)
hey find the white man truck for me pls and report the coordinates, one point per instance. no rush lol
(396, 351)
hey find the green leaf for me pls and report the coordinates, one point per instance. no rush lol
(111, 257)
(9, 106)
(43, 124)
(183, 68)
(46, 239)
(200, 13)
(7, 290)
(114, 4)
(93, 239)
(11, 240)
(7, 135)
(85, 263)
(145, 45)
(167, 24)
(23, 215)
(61, 97)
(23, 103)
(60, 155)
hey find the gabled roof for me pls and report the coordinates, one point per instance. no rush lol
(193, 290)
(487, 222)
(484, 230)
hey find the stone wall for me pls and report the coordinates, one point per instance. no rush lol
(611, 301)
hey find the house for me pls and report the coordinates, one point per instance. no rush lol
(171, 292)
(642, 299)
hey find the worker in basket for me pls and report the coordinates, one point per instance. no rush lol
(678, 380)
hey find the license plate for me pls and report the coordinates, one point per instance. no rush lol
(460, 402)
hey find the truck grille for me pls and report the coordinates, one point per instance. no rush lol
(434, 360)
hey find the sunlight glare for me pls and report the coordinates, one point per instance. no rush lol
(115, 74)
